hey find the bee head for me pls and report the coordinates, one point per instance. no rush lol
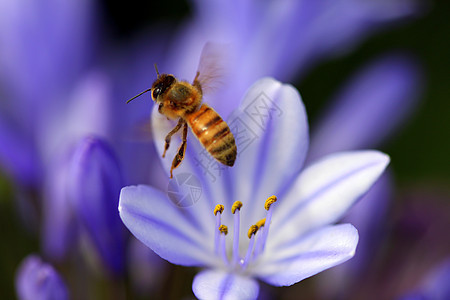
(161, 84)
(159, 87)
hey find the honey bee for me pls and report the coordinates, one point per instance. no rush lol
(182, 101)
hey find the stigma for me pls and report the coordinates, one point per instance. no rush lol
(257, 235)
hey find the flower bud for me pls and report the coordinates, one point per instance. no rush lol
(96, 179)
(37, 280)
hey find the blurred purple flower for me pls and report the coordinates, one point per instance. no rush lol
(87, 189)
(37, 280)
(434, 286)
(369, 107)
(55, 96)
(44, 49)
(96, 180)
(289, 37)
(61, 134)
(302, 241)
(58, 100)
(366, 111)
(147, 270)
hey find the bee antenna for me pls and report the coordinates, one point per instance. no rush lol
(156, 68)
(139, 95)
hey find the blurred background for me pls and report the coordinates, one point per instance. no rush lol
(414, 225)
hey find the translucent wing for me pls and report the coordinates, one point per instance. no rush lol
(212, 66)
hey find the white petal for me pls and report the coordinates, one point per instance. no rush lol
(169, 231)
(216, 284)
(324, 192)
(271, 133)
(197, 163)
(305, 257)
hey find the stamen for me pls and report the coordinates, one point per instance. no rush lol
(224, 231)
(267, 206)
(252, 231)
(236, 205)
(270, 201)
(251, 235)
(236, 210)
(218, 213)
(219, 208)
(261, 223)
(259, 244)
(256, 245)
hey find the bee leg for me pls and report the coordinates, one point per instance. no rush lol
(196, 82)
(169, 135)
(181, 151)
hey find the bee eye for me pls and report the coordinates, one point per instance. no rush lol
(156, 93)
(160, 107)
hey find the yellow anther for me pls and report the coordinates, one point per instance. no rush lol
(223, 229)
(253, 229)
(219, 208)
(261, 223)
(236, 205)
(270, 201)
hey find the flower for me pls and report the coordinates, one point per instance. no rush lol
(365, 112)
(434, 285)
(95, 182)
(45, 50)
(86, 188)
(37, 280)
(288, 36)
(369, 106)
(55, 94)
(294, 237)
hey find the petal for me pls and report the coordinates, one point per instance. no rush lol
(269, 31)
(435, 284)
(59, 230)
(198, 165)
(368, 216)
(59, 34)
(261, 127)
(147, 271)
(269, 154)
(36, 280)
(324, 192)
(18, 155)
(368, 109)
(95, 182)
(217, 284)
(87, 113)
(309, 255)
(168, 230)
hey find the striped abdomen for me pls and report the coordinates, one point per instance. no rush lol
(214, 134)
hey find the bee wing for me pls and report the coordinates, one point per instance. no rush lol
(212, 68)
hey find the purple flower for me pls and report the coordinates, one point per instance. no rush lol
(290, 239)
(85, 199)
(45, 48)
(369, 107)
(61, 135)
(37, 280)
(435, 285)
(282, 39)
(54, 98)
(366, 111)
(276, 38)
(96, 179)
